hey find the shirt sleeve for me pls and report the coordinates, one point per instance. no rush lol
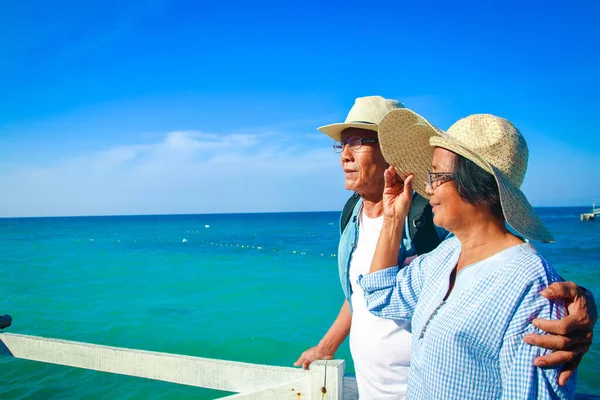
(392, 293)
(520, 378)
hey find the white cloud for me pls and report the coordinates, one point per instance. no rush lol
(185, 172)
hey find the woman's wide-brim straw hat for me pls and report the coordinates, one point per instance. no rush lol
(366, 113)
(408, 140)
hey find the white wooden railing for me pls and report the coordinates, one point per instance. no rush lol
(324, 379)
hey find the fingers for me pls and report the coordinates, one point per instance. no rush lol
(568, 370)
(388, 176)
(579, 301)
(566, 325)
(408, 190)
(561, 290)
(564, 376)
(302, 361)
(392, 177)
(559, 357)
(555, 358)
(306, 358)
(403, 175)
(559, 327)
(554, 342)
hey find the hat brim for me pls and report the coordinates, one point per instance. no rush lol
(334, 131)
(404, 140)
(407, 142)
(518, 212)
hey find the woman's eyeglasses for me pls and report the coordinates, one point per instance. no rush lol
(436, 179)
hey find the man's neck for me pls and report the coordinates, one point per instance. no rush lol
(373, 208)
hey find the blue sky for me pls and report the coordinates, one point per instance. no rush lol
(131, 107)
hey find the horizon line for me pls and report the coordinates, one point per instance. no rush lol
(210, 213)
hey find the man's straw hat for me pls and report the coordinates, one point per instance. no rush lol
(366, 113)
(407, 142)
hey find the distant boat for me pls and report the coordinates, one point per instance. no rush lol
(591, 216)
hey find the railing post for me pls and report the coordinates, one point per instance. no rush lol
(326, 379)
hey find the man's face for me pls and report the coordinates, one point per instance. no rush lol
(364, 167)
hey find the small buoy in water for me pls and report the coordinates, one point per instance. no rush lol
(207, 226)
(184, 241)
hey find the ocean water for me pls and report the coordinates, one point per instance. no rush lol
(257, 288)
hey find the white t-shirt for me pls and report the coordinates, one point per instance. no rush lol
(380, 347)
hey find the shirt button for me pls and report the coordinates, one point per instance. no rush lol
(353, 245)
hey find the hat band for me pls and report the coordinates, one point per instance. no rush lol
(360, 122)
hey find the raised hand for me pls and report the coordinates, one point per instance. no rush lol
(397, 194)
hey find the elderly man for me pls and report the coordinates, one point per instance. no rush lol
(381, 348)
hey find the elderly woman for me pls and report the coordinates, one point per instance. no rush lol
(473, 298)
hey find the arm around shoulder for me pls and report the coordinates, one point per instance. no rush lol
(520, 377)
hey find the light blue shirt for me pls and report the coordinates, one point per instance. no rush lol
(471, 345)
(349, 240)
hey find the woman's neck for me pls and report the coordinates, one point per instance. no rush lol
(482, 239)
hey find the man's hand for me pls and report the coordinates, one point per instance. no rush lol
(312, 354)
(571, 337)
(328, 345)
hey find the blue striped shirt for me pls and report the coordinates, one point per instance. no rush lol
(470, 346)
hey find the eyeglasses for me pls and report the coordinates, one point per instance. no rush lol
(436, 179)
(354, 143)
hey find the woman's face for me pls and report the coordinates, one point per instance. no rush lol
(449, 209)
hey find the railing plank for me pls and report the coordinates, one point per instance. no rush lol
(294, 390)
(224, 375)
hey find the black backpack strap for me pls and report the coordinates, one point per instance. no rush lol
(421, 228)
(420, 221)
(347, 211)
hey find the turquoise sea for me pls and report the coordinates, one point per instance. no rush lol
(258, 288)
